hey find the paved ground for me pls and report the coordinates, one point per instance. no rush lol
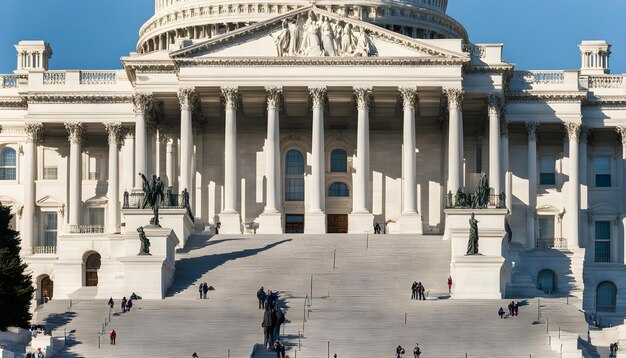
(358, 308)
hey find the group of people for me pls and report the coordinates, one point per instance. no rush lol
(273, 318)
(613, 348)
(417, 352)
(513, 310)
(417, 291)
(203, 289)
(37, 354)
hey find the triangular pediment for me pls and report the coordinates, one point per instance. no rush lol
(49, 201)
(311, 32)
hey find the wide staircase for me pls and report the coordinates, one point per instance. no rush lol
(343, 294)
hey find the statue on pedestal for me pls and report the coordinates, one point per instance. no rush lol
(472, 244)
(449, 203)
(152, 196)
(145, 242)
(481, 196)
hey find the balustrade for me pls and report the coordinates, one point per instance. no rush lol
(54, 78)
(475, 51)
(539, 77)
(98, 77)
(86, 229)
(606, 81)
(10, 81)
(559, 243)
(45, 250)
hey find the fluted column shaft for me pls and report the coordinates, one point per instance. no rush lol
(272, 150)
(33, 138)
(621, 130)
(455, 138)
(361, 179)
(143, 104)
(318, 96)
(505, 177)
(231, 98)
(76, 134)
(186, 98)
(114, 137)
(573, 202)
(495, 174)
(169, 162)
(409, 163)
(532, 128)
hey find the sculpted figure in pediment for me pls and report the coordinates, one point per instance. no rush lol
(282, 40)
(311, 44)
(295, 35)
(347, 40)
(364, 46)
(328, 38)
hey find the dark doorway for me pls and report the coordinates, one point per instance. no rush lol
(92, 265)
(337, 223)
(47, 287)
(294, 224)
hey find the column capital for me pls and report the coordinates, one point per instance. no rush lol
(495, 102)
(115, 132)
(142, 102)
(231, 97)
(318, 96)
(573, 130)
(409, 98)
(34, 132)
(363, 97)
(76, 132)
(186, 98)
(274, 96)
(455, 98)
(532, 127)
(621, 130)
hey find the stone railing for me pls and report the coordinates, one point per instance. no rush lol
(559, 243)
(45, 250)
(539, 77)
(616, 81)
(10, 81)
(86, 229)
(475, 51)
(98, 77)
(54, 78)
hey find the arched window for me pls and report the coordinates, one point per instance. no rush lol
(294, 176)
(338, 161)
(606, 297)
(8, 163)
(338, 190)
(92, 265)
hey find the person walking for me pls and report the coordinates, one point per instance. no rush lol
(205, 289)
(501, 312)
(449, 284)
(414, 290)
(399, 351)
(280, 349)
(260, 295)
(268, 328)
(129, 305)
(111, 303)
(420, 291)
(511, 309)
(124, 305)
(279, 319)
(417, 351)
(516, 308)
(200, 289)
(194, 355)
(112, 336)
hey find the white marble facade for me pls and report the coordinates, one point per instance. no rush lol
(319, 118)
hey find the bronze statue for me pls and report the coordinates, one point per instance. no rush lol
(152, 196)
(481, 195)
(507, 226)
(459, 199)
(145, 242)
(472, 244)
(449, 203)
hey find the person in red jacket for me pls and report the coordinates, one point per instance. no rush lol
(449, 284)
(112, 336)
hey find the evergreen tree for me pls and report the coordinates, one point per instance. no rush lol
(16, 286)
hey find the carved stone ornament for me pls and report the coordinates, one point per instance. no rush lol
(76, 132)
(318, 96)
(274, 96)
(363, 97)
(494, 104)
(34, 131)
(409, 98)
(231, 97)
(186, 98)
(115, 132)
(621, 130)
(455, 98)
(504, 127)
(573, 130)
(532, 128)
(142, 102)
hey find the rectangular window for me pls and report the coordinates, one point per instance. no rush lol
(96, 216)
(294, 189)
(50, 173)
(603, 241)
(547, 165)
(50, 164)
(50, 229)
(603, 171)
(546, 227)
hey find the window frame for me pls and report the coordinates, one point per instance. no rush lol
(343, 163)
(607, 242)
(335, 184)
(4, 167)
(553, 173)
(294, 177)
(609, 174)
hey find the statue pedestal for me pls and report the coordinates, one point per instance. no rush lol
(482, 276)
(230, 223)
(270, 223)
(176, 219)
(150, 276)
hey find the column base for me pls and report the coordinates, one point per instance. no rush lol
(230, 223)
(411, 223)
(270, 223)
(315, 223)
(360, 223)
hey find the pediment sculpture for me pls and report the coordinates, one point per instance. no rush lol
(310, 36)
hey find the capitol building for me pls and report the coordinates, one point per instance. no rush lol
(287, 117)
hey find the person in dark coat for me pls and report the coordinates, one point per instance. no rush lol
(205, 289)
(280, 349)
(279, 319)
(200, 288)
(268, 328)
(501, 312)
(516, 308)
(414, 290)
(399, 351)
(124, 305)
(129, 305)
(420, 291)
(111, 303)
(260, 295)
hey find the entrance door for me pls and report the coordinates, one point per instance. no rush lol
(294, 224)
(47, 287)
(546, 281)
(337, 224)
(92, 265)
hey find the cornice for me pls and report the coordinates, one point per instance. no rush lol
(147, 66)
(319, 61)
(503, 68)
(606, 102)
(558, 97)
(13, 103)
(100, 98)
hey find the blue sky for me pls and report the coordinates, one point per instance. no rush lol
(537, 34)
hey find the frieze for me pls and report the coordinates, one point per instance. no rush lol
(13, 103)
(51, 98)
(555, 97)
(318, 61)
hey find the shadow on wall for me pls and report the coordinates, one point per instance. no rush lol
(536, 261)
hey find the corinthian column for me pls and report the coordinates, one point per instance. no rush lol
(410, 221)
(33, 139)
(315, 222)
(76, 135)
(361, 218)
(495, 175)
(231, 222)
(455, 138)
(186, 98)
(532, 128)
(114, 131)
(143, 104)
(506, 177)
(621, 130)
(573, 202)
(270, 221)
